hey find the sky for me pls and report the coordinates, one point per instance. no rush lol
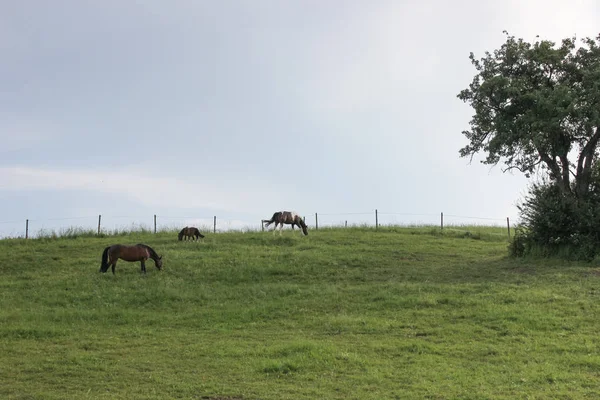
(192, 109)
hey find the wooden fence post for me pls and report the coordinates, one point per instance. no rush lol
(262, 225)
(154, 223)
(442, 221)
(376, 220)
(508, 227)
(316, 222)
(215, 224)
(346, 224)
(26, 229)
(99, 219)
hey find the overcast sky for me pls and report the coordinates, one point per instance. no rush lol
(190, 109)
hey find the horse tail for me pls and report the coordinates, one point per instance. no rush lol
(198, 233)
(104, 263)
(274, 218)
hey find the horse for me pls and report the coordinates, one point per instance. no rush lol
(139, 252)
(286, 217)
(190, 232)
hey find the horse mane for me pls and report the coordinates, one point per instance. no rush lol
(150, 250)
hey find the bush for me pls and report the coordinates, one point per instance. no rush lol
(518, 245)
(558, 224)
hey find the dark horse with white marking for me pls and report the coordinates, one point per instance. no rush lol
(286, 217)
(139, 252)
(190, 232)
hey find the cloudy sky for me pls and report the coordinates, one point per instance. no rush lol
(193, 108)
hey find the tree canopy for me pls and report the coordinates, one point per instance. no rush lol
(537, 107)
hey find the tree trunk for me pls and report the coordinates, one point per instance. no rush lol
(556, 172)
(584, 165)
(566, 174)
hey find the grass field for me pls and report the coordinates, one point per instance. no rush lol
(398, 313)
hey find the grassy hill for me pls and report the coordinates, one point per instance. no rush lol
(339, 314)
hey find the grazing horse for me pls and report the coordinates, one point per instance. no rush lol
(139, 252)
(286, 217)
(190, 232)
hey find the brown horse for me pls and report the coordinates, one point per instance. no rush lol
(190, 232)
(139, 252)
(286, 217)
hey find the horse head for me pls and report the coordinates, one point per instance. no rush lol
(301, 224)
(158, 262)
(305, 230)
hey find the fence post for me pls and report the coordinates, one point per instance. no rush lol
(262, 225)
(346, 224)
(376, 220)
(508, 227)
(154, 223)
(316, 222)
(99, 219)
(442, 221)
(26, 229)
(215, 224)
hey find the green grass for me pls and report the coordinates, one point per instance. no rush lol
(340, 314)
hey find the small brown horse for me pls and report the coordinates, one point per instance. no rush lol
(139, 252)
(286, 217)
(190, 232)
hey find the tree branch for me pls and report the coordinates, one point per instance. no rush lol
(524, 169)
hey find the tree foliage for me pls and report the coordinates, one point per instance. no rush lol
(537, 108)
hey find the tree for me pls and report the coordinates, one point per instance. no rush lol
(537, 107)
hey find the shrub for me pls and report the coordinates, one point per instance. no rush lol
(558, 224)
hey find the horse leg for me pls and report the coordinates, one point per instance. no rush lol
(143, 266)
(114, 264)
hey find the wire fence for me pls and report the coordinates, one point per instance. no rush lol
(113, 224)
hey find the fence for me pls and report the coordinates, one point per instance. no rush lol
(370, 218)
(376, 215)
